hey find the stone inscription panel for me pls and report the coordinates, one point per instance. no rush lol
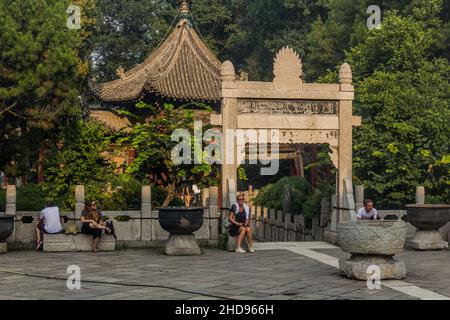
(300, 107)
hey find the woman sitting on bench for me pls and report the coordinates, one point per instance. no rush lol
(240, 218)
(92, 220)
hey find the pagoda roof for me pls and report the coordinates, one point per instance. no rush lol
(181, 68)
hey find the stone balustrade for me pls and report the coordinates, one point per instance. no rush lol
(134, 229)
(271, 225)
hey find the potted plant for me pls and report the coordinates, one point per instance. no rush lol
(428, 219)
(168, 156)
(6, 229)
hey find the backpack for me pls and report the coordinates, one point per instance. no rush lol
(110, 229)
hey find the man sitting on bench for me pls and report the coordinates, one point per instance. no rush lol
(368, 212)
(49, 222)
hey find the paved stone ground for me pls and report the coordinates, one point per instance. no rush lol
(268, 274)
(426, 269)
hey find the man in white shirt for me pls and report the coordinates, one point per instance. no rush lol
(49, 222)
(368, 212)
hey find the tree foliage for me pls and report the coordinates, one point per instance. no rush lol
(304, 200)
(42, 72)
(151, 137)
(76, 159)
(403, 97)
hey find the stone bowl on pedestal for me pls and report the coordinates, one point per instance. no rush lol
(6, 229)
(428, 219)
(181, 223)
(372, 243)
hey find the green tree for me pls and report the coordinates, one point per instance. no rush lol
(403, 97)
(127, 32)
(303, 199)
(151, 137)
(41, 74)
(77, 158)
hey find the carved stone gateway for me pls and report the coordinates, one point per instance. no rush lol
(303, 113)
(288, 70)
(286, 107)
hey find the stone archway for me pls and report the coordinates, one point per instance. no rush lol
(300, 113)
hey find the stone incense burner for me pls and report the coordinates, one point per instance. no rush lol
(181, 223)
(372, 243)
(428, 219)
(6, 229)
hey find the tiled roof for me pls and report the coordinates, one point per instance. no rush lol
(181, 68)
(110, 120)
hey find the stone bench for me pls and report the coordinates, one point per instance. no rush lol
(76, 243)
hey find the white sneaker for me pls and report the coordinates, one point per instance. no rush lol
(240, 250)
(252, 250)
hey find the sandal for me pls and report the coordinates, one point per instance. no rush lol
(39, 245)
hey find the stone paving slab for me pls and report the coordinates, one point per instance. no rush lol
(266, 275)
(426, 269)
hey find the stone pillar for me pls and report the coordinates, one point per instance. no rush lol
(273, 225)
(420, 195)
(359, 197)
(205, 197)
(214, 214)
(11, 198)
(269, 229)
(315, 228)
(287, 226)
(79, 201)
(280, 226)
(265, 219)
(324, 212)
(253, 218)
(229, 121)
(334, 214)
(260, 223)
(146, 213)
(345, 131)
(299, 225)
(10, 210)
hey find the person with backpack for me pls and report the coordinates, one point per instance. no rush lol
(239, 218)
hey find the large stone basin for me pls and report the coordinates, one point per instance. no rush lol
(6, 229)
(428, 219)
(372, 243)
(181, 223)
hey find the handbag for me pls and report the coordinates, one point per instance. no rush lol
(110, 229)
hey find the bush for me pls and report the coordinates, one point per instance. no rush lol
(159, 194)
(304, 199)
(29, 198)
(120, 193)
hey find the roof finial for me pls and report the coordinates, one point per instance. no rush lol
(184, 7)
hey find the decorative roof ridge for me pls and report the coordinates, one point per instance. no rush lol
(181, 67)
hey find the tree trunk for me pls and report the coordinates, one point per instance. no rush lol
(171, 189)
(41, 168)
(299, 163)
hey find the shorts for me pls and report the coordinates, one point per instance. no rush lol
(41, 227)
(95, 233)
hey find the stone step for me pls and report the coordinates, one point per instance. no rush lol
(76, 243)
